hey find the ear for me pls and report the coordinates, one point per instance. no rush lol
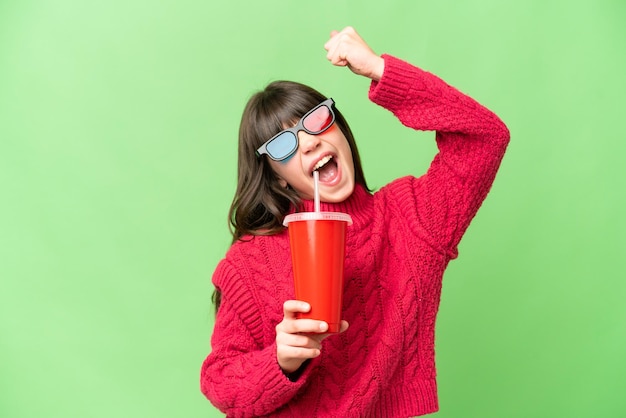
(282, 182)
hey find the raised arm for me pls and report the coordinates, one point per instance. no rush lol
(471, 140)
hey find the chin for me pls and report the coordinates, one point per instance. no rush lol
(340, 195)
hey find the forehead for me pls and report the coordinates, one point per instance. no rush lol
(285, 115)
(295, 109)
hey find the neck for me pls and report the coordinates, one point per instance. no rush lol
(355, 205)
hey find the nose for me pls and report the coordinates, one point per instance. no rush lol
(308, 142)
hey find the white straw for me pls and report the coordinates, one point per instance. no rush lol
(316, 186)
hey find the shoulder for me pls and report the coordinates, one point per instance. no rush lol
(397, 191)
(255, 277)
(250, 245)
(399, 204)
(250, 256)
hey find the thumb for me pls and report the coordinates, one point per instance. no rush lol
(322, 337)
(344, 325)
(333, 33)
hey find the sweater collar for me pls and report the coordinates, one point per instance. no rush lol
(358, 205)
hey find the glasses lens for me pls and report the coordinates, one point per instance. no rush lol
(282, 146)
(318, 120)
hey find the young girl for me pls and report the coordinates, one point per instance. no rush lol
(264, 361)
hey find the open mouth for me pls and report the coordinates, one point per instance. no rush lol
(327, 168)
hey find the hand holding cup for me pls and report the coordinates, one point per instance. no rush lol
(299, 339)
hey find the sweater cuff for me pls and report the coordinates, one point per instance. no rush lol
(399, 77)
(277, 388)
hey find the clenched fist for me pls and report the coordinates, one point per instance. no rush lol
(347, 48)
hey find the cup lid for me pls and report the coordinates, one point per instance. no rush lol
(317, 216)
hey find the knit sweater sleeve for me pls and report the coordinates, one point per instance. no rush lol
(241, 376)
(471, 139)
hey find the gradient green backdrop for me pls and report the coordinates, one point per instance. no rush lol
(118, 123)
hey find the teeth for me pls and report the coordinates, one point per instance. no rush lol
(321, 163)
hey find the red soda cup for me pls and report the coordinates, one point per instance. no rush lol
(318, 242)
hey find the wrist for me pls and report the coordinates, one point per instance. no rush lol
(378, 69)
(295, 375)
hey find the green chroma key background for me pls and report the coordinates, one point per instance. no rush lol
(118, 125)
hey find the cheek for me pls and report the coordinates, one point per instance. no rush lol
(284, 170)
(339, 138)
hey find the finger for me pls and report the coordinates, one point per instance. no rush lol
(302, 326)
(336, 56)
(336, 39)
(344, 326)
(321, 337)
(332, 42)
(340, 46)
(292, 307)
(287, 353)
(298, 340)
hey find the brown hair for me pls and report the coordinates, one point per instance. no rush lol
(260, 202)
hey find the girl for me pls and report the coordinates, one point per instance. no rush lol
(264, 361)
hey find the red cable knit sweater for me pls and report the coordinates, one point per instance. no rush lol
(397, 249)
